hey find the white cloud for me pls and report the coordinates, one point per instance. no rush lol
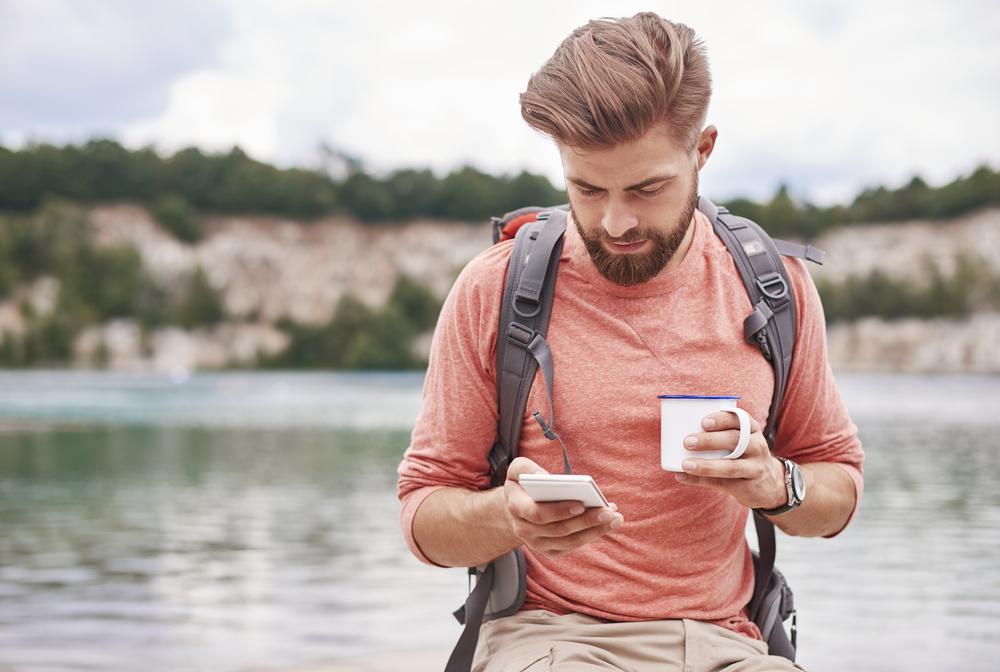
(68, 68)
(826, 96)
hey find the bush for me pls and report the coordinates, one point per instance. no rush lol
(416, 303)
(178, 217)
(200, 304)
(972, 287)
(48, 341)
(361, 338)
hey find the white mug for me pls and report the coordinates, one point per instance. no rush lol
(681, 415)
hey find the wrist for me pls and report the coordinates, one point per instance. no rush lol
(778, 488)
(795, 488)
(505, 514)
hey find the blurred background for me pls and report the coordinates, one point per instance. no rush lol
(226, 230)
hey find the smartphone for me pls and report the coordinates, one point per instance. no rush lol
(563, 487)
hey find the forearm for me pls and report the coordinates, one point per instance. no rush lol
(456, 527)
(829, 502)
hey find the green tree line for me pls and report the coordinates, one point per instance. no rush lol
(192, 180)
(179, 186)
(782, 216)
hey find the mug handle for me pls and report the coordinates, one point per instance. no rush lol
(741, 445)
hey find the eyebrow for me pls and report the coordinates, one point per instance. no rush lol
(645, 183)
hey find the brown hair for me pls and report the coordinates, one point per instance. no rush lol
(611, 80)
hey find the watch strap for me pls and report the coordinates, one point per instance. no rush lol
(792, 502)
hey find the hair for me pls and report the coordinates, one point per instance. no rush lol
(612, 80)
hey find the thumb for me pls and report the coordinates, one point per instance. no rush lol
(522, 465)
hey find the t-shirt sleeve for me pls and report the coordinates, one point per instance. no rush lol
(457, 423)
(813, 423)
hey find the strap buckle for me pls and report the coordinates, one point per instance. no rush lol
(520, 335)
(498, 459)
(767, 282)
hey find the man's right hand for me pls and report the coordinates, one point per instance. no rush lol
(553, 529)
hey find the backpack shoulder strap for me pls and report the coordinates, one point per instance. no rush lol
(521, 349)
(524, 319)
(771, 327)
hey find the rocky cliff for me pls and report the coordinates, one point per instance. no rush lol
(267, 269)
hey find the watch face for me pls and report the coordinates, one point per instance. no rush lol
(798, 483)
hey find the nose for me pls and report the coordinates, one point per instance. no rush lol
(618, 220)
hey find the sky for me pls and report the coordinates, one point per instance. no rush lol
(827, 97)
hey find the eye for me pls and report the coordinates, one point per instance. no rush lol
(589, 193)
(650, 194)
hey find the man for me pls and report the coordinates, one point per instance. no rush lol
(648, 301)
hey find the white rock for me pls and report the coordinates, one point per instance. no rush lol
(917, 346)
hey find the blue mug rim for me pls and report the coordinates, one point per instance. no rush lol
(697, 396)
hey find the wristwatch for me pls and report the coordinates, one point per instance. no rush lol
(795, 486)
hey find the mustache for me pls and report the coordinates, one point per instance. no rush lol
(631, 237)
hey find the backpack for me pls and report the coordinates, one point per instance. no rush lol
(529, 289)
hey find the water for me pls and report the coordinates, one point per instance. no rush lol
(249, 521)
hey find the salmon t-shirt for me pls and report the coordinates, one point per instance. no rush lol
(682, 551)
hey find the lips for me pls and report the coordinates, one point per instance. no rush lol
(627, 247)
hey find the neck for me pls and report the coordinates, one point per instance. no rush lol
(683, 248)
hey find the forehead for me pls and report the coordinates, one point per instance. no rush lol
(655, 153)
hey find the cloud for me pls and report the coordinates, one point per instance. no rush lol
(825, 96)
(70, 68)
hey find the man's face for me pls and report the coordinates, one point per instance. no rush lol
(643, 192)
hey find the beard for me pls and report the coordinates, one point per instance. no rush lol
(633, 269)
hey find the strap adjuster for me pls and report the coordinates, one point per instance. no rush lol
(520, 334)
(773, 286)
(497, 456)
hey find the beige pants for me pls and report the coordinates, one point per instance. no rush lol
(537, 640)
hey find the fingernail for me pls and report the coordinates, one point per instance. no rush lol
(691, 441)
(617, 522)
(689, 465)
(605, 516)
(576, 510)
(708, 423)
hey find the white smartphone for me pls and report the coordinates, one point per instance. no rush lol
(562, 487)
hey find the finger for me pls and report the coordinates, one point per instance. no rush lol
(704, 482)
(519, 502)
(724, 420)
(522, 506)
(593, 517)
(522, 465)
(725, 439)
(542, 513)
(722, 468)
(574, 541)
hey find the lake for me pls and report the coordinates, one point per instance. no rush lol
(249, 521)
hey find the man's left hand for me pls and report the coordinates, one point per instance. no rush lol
(755, 479)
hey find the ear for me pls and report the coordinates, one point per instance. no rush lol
(706, 143)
